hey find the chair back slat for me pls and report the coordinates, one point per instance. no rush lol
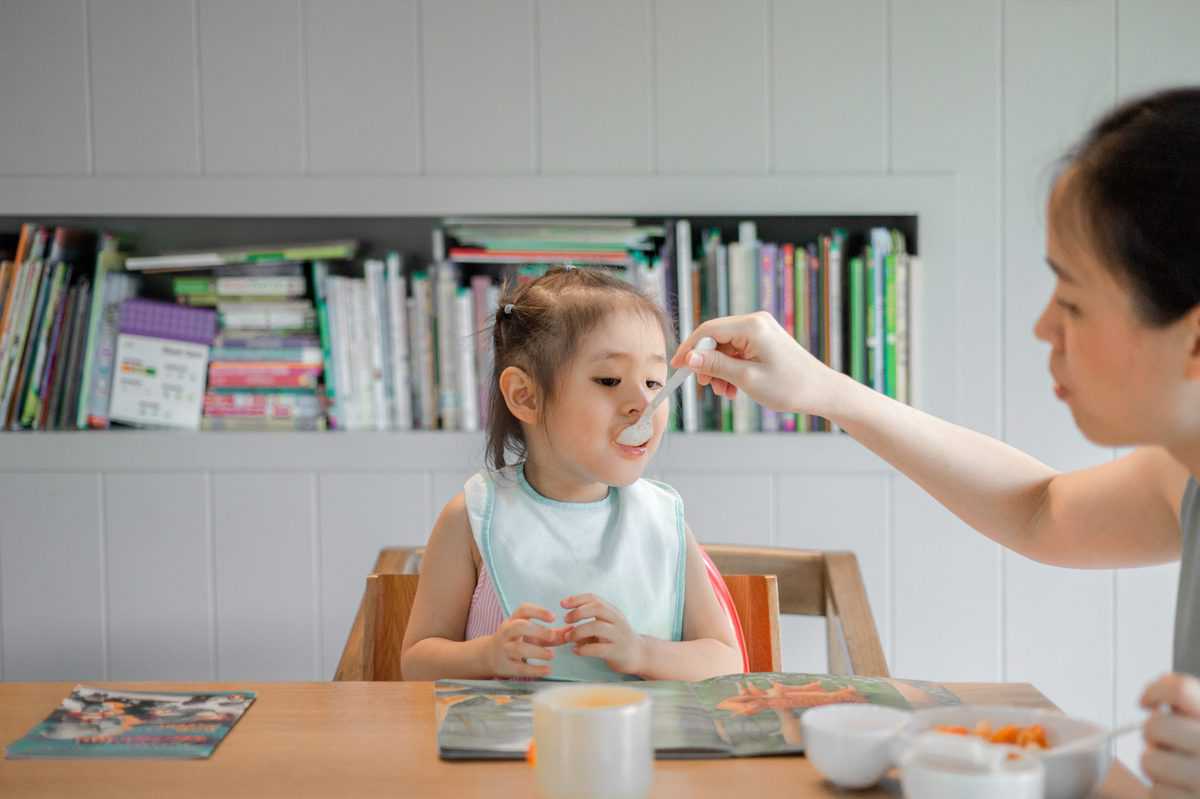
(756, 600)
(390, 600)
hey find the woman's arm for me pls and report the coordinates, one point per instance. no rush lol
(708, 648)
(1123, 513)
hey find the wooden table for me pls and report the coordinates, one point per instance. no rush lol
(377, 739)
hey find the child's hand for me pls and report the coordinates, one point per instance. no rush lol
(519, 639)
(608, 636)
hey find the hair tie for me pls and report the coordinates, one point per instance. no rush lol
(508, 309)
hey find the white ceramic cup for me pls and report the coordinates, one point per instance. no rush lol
(593, 742)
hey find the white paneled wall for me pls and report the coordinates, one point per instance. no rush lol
(244, 561)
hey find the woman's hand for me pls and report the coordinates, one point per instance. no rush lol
(755, 354)
(519, 639)
(607, 636)
(1172, 756)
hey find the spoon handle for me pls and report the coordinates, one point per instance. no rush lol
(1099, 737)
(677, 379)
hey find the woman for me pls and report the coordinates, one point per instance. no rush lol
(1123, 325)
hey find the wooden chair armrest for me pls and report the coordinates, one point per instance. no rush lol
(851, 635)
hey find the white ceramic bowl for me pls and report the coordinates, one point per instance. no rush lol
(1068, 776)
(851, 745)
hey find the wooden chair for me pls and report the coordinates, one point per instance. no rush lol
(804, 582)
(818, 583)
(373, 649)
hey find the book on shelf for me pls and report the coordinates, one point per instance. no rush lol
(258, 254)
(162, 352)
(736, 715)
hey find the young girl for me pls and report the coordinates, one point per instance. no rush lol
(569, 527)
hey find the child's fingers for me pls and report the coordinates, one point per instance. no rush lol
(580, 599)
(519, 668)
(516, 629)
(531, 611)
(600, 630)
(520, 650)
(596, 650)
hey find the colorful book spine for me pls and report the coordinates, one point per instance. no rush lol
(889, 324)
(858, 353)
(800, 282)
(378, 340)
(464, 343)
(881, 245)
(766, 302)
(397, 297)
(787, 275)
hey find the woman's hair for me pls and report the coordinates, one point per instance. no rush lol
(538, 328)
(1135, 188)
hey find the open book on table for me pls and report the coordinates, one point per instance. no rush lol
(737, 715)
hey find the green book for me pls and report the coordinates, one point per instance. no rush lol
(889, 325)
(858, 322)
(108, 259)
(871, 348)
(320, 271)
(32, 407)
(192, 286)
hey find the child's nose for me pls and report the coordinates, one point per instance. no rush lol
(637, 402)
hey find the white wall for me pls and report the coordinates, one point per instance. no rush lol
(120, 105)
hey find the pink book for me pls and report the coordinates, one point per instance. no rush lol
(787, 421)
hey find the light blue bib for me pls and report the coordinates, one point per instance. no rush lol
(628, 549)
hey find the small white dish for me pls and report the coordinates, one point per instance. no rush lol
(851, 744)
(941, 766)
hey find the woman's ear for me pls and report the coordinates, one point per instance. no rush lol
(1191, 323)
(520, 394)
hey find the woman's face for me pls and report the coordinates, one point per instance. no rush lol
(1125, 382)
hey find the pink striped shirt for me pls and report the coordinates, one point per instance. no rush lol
(485, 615)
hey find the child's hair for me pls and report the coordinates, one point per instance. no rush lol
(1135, 189)
(538, 328)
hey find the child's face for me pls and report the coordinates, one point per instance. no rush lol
(619, 368)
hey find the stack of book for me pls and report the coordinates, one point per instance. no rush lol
(265, 366)
(367, 324)
(59, 296)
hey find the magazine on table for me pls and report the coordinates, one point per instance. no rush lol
(106, 723)
(736, 715)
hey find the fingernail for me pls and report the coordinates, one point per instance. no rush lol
(694, 360)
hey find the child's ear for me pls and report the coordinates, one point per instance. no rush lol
(520, 394)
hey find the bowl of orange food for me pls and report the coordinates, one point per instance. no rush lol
(1070, 775)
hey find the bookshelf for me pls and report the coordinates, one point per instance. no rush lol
(914, 204)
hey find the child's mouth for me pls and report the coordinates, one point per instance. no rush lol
(633, 453)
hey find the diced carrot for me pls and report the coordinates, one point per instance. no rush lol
(531, 753)
(1005, 735)
(952, 729)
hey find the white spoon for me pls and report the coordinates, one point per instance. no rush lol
(1096, 738)
(640, 431)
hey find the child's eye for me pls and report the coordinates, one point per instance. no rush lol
(654, 384)
(609, 382)
(1069, 307)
